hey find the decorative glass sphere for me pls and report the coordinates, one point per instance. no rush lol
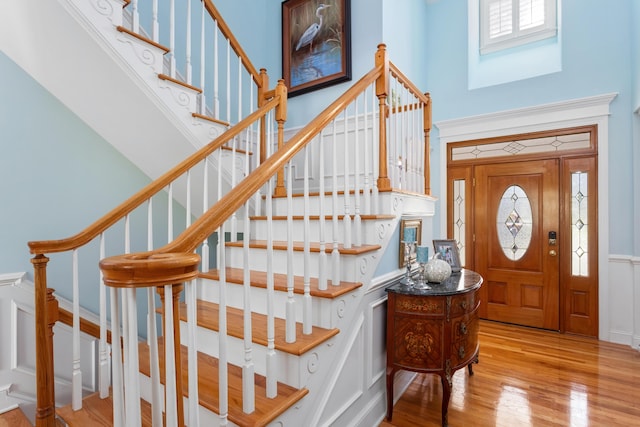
(437, 270)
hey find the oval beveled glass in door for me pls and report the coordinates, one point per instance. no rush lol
(514, 222)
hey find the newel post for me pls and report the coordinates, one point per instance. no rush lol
(426, 111)
(382, 91)
(46, 315)
(281, 117)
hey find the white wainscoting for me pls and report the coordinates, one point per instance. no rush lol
(18, 354)
(624, 295)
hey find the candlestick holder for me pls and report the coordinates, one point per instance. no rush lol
(422, 282)
(407, 260)
(422, 255)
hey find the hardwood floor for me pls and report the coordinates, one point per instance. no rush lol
(528, 377)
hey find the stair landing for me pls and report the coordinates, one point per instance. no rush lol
(14, 418)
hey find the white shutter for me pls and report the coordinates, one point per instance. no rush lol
(509, 23)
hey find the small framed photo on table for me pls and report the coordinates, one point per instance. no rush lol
(448, 251)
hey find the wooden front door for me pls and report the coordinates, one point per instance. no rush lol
(517, 227)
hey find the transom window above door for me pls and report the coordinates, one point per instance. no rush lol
(510, 23)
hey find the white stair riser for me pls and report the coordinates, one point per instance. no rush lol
(281, 205)
(325, 312)
(280, 230)
(350, 270)
(291, 369)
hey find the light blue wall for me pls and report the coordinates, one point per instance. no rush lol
(595, 60)
(57, 176)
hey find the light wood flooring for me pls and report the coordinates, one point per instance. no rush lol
(528, 377)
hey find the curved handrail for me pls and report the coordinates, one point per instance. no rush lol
(94, 230)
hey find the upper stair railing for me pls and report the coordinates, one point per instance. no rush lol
(202, 54)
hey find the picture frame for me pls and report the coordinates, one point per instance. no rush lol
(448, 250)
(316, 44)
(405, 224)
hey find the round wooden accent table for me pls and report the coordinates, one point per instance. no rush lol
(433, 330)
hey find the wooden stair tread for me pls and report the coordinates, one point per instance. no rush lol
(317, 217)
(14, 418)
(208, 317)
(266, 409)
(314, 247)
(98, 412)
(259, 279)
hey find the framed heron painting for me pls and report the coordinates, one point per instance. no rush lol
(316, 44)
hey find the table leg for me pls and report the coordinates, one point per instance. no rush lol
(446, 395)
(390, 374)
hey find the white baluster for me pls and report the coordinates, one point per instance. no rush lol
(223, 374)
(228, 96)
(216, 93)
(116, 361)
(322, 261)
(105, 375)
(172, 38)
(248, 369)
(155, 29)
(188, 47)
(346, 242)
(152, 335)
(135, 17)
(375, 153)
(132, 390)
(234, 218)
(192, 352)
(170, 214)
(170, 389)
(366, 155)
(76, 376)
(306, 307)
(272, 386)
(154, 360)
(335, 253)
(203, 61)
(291, 304)
(357, 219)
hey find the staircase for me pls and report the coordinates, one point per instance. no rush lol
(255, 313)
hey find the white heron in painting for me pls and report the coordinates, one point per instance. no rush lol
(311, 32)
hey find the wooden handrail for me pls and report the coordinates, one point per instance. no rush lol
(395, 71)
(224, 28)
(232, 201)
(94, 230)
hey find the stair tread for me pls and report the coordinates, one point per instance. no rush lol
(98, 412)
(314, 247)
(208, 317)
(14, 418)
(259, 279)
(266, 409)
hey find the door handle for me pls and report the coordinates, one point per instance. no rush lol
(552, 252)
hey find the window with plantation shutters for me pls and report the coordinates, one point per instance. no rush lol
(509, 23)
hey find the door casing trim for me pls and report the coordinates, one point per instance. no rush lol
(592, 110)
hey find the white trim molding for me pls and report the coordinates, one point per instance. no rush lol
(593, 110)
